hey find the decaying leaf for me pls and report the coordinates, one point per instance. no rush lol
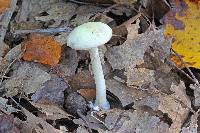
(81, 129)
(75, 103)
(143, 59)
(51, 111)
(14, 53)
(42, 49)
(126, 95)
(68, 61)
(58, 12)
(36, 124)
(4, 22)
(182, 23)
(81, 80)
(139, 76)
(26, 78)
(31, 8)
(5, 107)
(176, 105)
(88, 94)
(7, 124)
(90, 122)
(120, 121)
(196, 89)
(53, 90)
(131, 53)
(193, 124)
(83, 17)
(62, 39)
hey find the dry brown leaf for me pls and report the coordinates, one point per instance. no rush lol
(196, 89)
(27, 78)
(42, 49)
(176, 105)
(89, 121)
(132, 51)
(31, 8)
(155, 8)
(119, 121)
(84, 14)
(36, 124)
(143, 59)
(5, 107)
(81, 80)
(17, 27)
(132, 28)
(81, 129)
(62, 38)
(192, 127)
(4, 22)
(14, 53)
(51, 111)
(126, 95)
(58, 12)
(88, 94)
(53, 90)
(68, 61)
(7, 124)
(139, 76)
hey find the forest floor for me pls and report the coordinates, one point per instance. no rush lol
(152, 83)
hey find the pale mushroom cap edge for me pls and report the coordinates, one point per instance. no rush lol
(89, 35)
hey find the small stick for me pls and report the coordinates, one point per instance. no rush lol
(49, 30)
(87, 3)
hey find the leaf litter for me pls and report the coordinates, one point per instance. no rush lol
(145, 88)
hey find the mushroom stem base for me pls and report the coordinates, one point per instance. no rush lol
(101, 100)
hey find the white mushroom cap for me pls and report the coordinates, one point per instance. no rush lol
(89, 35)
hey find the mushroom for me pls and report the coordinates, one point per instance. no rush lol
(89, 36)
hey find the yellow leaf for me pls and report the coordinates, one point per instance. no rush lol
(183, 24)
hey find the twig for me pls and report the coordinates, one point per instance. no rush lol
(87, 3)
(16, 102)
(99, 119)
(49, 30)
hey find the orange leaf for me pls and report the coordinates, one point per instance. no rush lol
(87, 93)
(42, 49)
(177, 61)
(4, 4)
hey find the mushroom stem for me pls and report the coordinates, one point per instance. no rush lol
(101, 100)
